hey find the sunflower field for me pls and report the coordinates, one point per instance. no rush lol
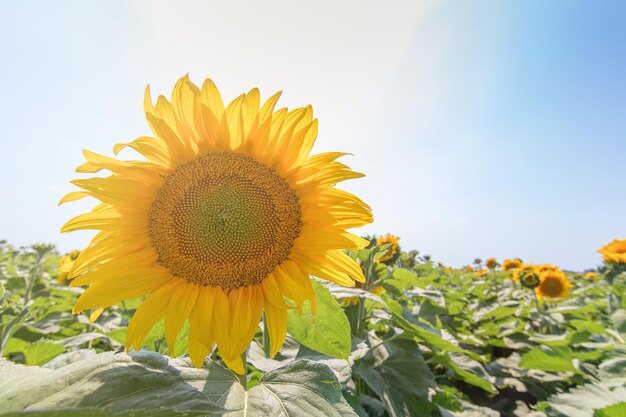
(225, 278)
(416, 339)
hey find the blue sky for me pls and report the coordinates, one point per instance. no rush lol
(485, 129)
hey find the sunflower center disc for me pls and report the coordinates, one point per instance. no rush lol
(552, 287)
(223, 220)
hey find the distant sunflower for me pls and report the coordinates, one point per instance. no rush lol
(491, 263)
(515, 276)
(228, 215)
(547, 268)
(614, 252)
(529, 278)
(481, 272)
(65, 265)
(553, 284)
(393, 250)
(591, 275)
(509, 264)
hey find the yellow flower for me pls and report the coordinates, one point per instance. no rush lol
(468, 269)
(529, 278)
(481, 272)
(614, 252)
(547, 268)
(393, 248)
(553, 284)
(378, 290)
(227, 215)
(491, 263)
(511, 264)
(591, 275)
(515, 276)
(65, 264)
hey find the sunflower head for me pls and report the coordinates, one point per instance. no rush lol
(554, 284)
(226, 215)
(515, 276)
(378, 290)
(529, 278)
(509, 264)
(547, 268)
(392, 252)
(614, 252)
(482, 272)
(591, 275)
(65, 265)
(491, 263)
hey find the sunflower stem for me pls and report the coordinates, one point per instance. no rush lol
(266, 338)
(536, 302)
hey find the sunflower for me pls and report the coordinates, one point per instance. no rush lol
(614, 252)
(65, 265)
(509, 264)
(529, 278)
(491, 263)
(481, 272)
(547, 268)
(591, 275)
(392, 252)
(553, 284)
(515, 276)
(227, 216)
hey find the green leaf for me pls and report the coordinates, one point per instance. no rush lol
(41, 352)
(117, 382)
(328, 331)
(395, 370)
(302, 388)
(428, 336)
(467, 369)
(96, 412)
(615, 410)
(403, 279)
(554, 359)
(148, 381)
(583, 401)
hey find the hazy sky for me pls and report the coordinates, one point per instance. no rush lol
(493, 128)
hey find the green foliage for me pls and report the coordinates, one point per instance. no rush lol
(415, 339)
(328, 331)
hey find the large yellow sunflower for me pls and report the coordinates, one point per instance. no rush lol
(227, 215)
(553, 284)
(614, 252)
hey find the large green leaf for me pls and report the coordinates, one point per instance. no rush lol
(148, 381)
(118, 382)
(396, 372)
(328, 331)
(302, 388)
(554, 359)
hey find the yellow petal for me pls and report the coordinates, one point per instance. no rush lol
(182, 302)
(276, 325)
